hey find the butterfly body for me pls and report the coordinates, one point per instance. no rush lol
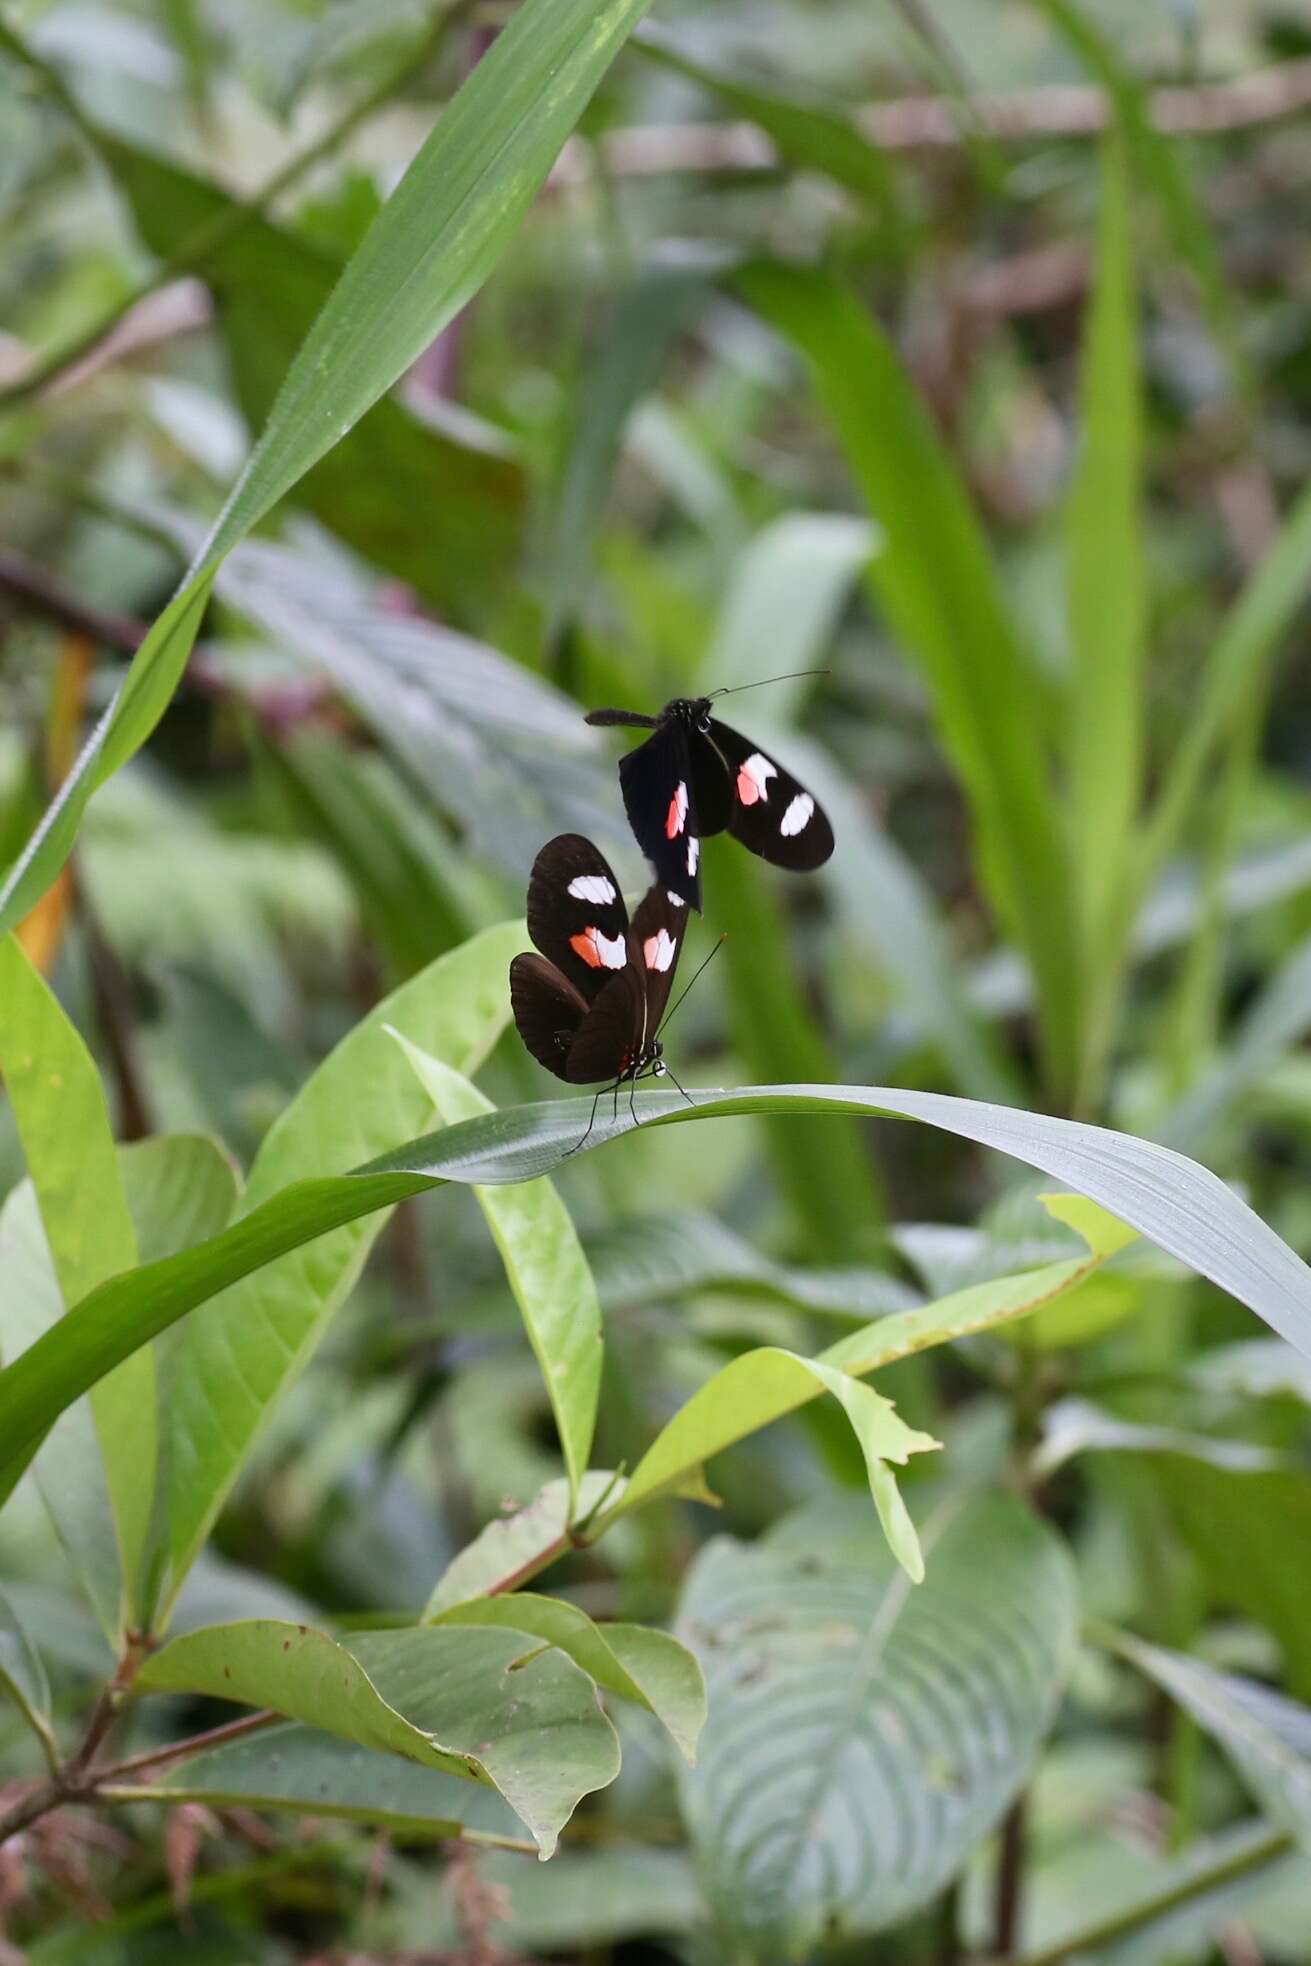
(588, 1000)
(696, 776)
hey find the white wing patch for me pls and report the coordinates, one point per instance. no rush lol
(797, 817)
(675, 900)
(599, 951)
(659, 950)
(753, 776)
(592, 887)
(694, 850)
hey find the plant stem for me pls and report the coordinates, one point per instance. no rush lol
(225, 225)
(1008, 1900)
(213, 1737)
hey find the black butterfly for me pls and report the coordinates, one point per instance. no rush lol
(696, 776)
(589, 1006)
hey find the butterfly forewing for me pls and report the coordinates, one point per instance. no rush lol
(660, 800)
(771, 812)
(656, 939)
(576, 914)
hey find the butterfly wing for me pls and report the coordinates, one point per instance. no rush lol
(656, 942)
(772, 813)
(660, 800)
(548, 1011)
(610, 1037)
(576, 914)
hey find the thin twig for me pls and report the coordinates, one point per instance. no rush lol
(917, 123)
(213, 1737)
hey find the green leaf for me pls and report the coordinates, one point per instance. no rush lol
(583, 1902)
(374, 489)
(761, 1386)
(805, 134)
(296, 1768)
(1107, 586)
(648, 1667)
(935, 583)
(491, 1706)
(240, 1356)
(59, 1106)
(786, 594)
(23, 1677)
(426, 254)
(865, 1736)
(511, 1550)
(1265, 1735)
(545, 1268)
(1178, 1205)
(179, 1189)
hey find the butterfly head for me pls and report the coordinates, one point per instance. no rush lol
(656, 1059)
(694, 711)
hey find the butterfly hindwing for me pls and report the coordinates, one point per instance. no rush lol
(548, 1011)
(660, 799)
(576, 914)
(771, 812)
(609, 1039)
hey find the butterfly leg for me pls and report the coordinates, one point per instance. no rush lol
(632, 1104)
(682, 1088)
(590, 1124)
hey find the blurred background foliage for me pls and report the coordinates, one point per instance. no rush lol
(961, 351)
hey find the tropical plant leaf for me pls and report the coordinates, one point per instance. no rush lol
(59, 1106)
(295, 1768)
(648, 1667)
(1172, 1201)
(545, 1267)
(428, 251)
(865, 1736)
(491, 1706)
(236, 1359)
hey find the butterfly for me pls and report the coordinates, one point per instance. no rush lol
(589, 1005)
(696, 776)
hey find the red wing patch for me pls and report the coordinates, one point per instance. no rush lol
(676, 817)
(753, 776)
(599, 951)
(659, 950)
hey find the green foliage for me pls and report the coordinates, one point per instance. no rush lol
(745, 1516)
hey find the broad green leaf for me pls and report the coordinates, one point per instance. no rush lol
(493, 1706)
(805, 134)
(648, 1667)
(23, 1677)
(511, 1550)
(59, 1106)
(295, 1768)
(236, 1359)
(864, 1736)
(1107, 590)
(584, 1902)
(785, 597)
(179, 1189)
(426, 254)
(375, 489)
(1172, 1201)
(935, 583)
(545, 1268)
(1265, 1735)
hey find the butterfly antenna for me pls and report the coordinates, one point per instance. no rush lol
(678, 1000)
(789, 676)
